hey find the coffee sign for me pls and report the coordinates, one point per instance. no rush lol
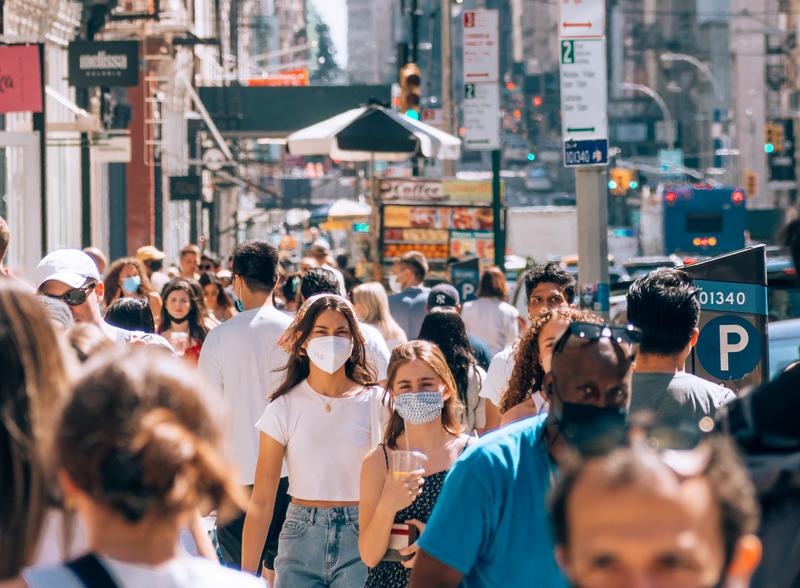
(103, 63)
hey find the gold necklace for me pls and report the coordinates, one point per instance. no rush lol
(327, 404)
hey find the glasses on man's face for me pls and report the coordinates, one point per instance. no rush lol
(590, 332)
(206, 267)
(75, 296)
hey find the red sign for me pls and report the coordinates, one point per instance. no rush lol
(20, 79)
(285, 77)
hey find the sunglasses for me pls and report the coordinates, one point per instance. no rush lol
(680, 445)
(75, 296)
(590, 332)
(206, 267)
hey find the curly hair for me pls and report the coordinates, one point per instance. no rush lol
(528, 373)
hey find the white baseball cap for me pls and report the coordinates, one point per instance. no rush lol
(68, 266)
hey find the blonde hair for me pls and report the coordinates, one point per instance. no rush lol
(372, 298)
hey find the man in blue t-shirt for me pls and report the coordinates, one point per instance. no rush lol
(490, 526)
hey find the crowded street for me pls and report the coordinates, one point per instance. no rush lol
(399, 293)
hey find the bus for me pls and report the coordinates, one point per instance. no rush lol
(703, 220)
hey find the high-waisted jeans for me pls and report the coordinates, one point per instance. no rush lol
(319, 547)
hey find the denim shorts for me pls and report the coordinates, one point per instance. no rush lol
(319, 547)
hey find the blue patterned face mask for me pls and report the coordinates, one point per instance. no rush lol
(417, 408)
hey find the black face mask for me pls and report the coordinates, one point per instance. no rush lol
(178, 321)
(591, 430)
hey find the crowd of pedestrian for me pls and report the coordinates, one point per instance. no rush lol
(261, 420)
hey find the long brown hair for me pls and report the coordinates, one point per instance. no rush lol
(528, 373)
(113, 285)
(297, 368)
(137, 438)
(196, 316)
(430, 354)
(33, 383)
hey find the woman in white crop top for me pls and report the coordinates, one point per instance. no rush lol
(323, 420)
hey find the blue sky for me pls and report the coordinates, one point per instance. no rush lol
(334, 13)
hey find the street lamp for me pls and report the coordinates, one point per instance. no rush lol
(703, 67)
(665, 113)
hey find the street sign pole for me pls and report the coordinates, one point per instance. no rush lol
(584, 86)
(497, 214)
(590, 187)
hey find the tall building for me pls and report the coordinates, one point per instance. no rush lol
(370, 42)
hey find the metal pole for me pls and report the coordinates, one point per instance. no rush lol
(82, 100)
(448, 167)
(40, 125)
(591, 195)
(497, 214)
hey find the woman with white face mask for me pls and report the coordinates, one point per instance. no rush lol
(322, 420)
(396, 505)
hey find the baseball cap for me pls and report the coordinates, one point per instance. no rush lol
(148, 252)
(68, 266)
(321, 245)
(443, 295)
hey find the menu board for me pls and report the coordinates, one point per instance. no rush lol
(439, 232)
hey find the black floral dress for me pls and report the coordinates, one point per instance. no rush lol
(392, 574)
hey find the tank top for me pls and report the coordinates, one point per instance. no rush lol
(392, 574)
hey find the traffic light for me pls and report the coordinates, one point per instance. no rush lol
(621, 180)
(773, 140)
(751, 183)
(410, 81)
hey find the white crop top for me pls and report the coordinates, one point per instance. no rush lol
(324, 448)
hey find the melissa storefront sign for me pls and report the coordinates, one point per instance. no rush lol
(103, 63)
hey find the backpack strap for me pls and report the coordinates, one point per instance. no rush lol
(91, 572)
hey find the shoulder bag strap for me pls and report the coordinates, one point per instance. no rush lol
(91, 572)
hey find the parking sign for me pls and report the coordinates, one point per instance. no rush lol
(732, 290)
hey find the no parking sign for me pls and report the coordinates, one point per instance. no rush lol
(732, 348)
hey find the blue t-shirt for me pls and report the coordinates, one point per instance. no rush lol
(490, 522)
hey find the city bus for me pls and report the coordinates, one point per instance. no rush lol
(703, 220)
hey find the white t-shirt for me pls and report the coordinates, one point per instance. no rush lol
(498, 376)
(118, 335)
(181, 572)
(324, 448)
(492, 320)
(376, 349)
(239, 359)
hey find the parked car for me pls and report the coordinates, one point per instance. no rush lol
(784, 345)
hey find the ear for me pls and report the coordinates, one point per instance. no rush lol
(745, 559)
(695, 336)
(547, 382)
(563, 560)
(100, 289)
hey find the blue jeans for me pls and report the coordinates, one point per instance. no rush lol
(319, 547)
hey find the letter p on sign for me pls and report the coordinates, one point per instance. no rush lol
(732, 339)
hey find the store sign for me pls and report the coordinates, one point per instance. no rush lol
(20, 79)
(414, 190)
(411, 190)
(103, 63)
(185, 188)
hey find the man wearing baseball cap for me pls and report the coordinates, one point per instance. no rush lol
(71, 275)
(153, 261)
(444, 297)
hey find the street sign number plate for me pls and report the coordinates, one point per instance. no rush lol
(732, 297)
(592, 152)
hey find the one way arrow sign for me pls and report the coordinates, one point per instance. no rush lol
(582, 18)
